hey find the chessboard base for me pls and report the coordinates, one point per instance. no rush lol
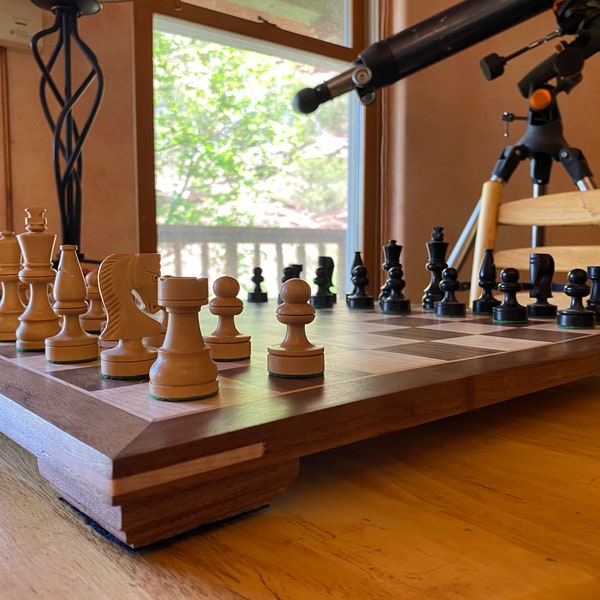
(178, 508)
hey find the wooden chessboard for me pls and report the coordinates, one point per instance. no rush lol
(145, 470)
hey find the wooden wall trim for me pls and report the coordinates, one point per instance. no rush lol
(6, 136)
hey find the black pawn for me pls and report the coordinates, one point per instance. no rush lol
(593, 302)
(323, 298)
(484, 305)
(577, 316)
(392, 299)
(391, 252)
(436, 250)
(359, 297)
(449, 306)
(289, 272)
(257, 295)
(541, 272)
(510, 312)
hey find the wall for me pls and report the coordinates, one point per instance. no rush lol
(110, 206)
(449, 136)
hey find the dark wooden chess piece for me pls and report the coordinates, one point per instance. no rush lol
(327, 263)
(391, 253)
(593, 302)
(510, 312)
(257, 295)
(541, 272)
(323, 298)
(436, 249)
(296, 271)
(355, 263)
(484, 305)
(576, 316)
(392, 299)
(359, 297)
(449, 306)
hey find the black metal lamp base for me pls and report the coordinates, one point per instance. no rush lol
(85, 7)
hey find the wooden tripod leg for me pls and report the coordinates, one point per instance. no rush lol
(486, 230)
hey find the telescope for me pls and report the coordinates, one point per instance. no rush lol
(457, 28)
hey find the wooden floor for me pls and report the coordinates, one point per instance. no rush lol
(496, 504)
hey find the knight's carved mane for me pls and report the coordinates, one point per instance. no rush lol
(124, 319)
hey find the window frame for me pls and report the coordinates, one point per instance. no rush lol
(143, 29)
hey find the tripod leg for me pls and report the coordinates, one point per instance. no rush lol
(486, 229)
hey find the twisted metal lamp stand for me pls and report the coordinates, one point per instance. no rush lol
(58, 105)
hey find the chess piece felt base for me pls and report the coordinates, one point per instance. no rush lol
(428, 304)
(541, 310)
(59, 351)
(360, 302)
(258, 297)
(184, 393)
(229, 350)
(396, 307)
(288, 364)
(326, 301)
(450, 309)
(129, 359)
(569, 319)
(509, 315)
(484, 306)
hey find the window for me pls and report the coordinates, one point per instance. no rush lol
(241, 164)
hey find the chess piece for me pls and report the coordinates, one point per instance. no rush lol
(359, 297)
(449, 306)
(184, 369)
(509, 312)
(436, 249)
(295, 357)
(257, 295)
(94, 318)
(127, 318)
(576, 316)
(541, 272)
(11, 305)
(326, 262)
(288, 273)
(484, 305)
(357, 261)
(71, 344)
(323, 298)
(593, 302)
(38, 321)
(391, 253)
(226, 342)
(391, 299)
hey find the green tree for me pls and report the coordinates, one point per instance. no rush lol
(229, 148)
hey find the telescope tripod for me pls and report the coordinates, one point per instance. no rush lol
(542, 144)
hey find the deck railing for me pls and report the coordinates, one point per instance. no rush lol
(207, 251)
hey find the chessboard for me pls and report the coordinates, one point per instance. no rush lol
(145, 470)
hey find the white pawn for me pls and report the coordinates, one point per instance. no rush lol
(94, 318)
(184, 369)
(226, 343)
(295, 357)
(71, 344)
(11, 305)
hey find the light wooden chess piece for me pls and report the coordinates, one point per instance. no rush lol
(72, 344)
(295, 357)
(11, 305)
(128, 283)
(184, 369)
(94, 318)
(38, 321)
(226, 343)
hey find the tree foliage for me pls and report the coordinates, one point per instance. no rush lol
(230, 150)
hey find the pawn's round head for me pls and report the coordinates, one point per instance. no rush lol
(226, 287)
(295, 291)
